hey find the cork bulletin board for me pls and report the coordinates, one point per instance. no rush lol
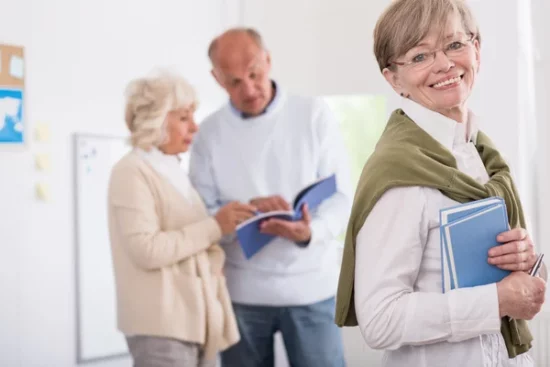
(12, 96)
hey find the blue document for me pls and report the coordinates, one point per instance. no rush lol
(248, 232)
(467, 232)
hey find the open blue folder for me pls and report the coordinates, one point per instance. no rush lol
(248, 232)
(467, 233)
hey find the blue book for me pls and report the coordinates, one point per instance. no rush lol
(467, 241)
(451, 214)
(248, 232)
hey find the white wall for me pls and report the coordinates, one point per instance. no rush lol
(541, 9)
(320, 47)
(79, 56)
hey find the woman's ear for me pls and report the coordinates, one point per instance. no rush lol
(392, 78)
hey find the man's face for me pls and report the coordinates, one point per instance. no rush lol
(242, 69)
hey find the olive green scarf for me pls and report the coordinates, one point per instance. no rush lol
(408, 156)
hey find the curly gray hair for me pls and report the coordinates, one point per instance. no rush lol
(148, 101)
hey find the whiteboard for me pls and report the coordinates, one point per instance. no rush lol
(97, 335)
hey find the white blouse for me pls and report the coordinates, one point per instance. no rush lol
(398, 298)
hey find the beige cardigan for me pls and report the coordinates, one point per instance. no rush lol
(167, 263)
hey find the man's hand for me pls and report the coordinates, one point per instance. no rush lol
(270, 203)
(297, 231)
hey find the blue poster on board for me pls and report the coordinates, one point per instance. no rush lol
(11, 116)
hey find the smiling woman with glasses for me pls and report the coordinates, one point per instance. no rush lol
(431, 156)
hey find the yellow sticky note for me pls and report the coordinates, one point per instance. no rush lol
(43, 191)
(42, 132)
(43, 162)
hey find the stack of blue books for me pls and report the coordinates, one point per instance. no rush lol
(467, 232)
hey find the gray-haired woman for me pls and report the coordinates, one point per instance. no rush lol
(173, 305)
(432, 156)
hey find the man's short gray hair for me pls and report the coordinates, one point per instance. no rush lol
(253, 33)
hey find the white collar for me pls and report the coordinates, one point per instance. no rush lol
(168, 166)
(443, 129)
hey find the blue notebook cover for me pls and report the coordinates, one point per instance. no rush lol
(452, 214)
(248, 232)
(467, 242)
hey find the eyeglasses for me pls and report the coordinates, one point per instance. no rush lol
(424, 60)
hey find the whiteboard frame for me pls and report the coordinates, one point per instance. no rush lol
(80, 359)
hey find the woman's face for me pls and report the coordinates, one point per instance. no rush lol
(438, 73)
(180, 129)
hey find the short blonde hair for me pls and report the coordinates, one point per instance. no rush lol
(406, 22)
(148, 101)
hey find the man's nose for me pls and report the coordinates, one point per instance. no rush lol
(248, 88)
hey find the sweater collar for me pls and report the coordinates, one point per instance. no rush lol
(169, 167)
(446, 131)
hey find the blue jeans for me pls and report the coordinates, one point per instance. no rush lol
(310, 335)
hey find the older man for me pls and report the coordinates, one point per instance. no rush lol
(262, 147)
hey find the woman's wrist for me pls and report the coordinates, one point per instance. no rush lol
(502, 292)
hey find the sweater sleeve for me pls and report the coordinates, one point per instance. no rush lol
(201, 174)
(332, 215)
(134, 215)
